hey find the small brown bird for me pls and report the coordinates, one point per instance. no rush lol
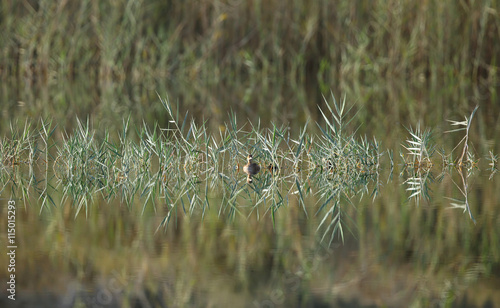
(251, 168)
(272, 168)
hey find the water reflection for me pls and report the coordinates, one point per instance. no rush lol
(186, 170)
(317, 192)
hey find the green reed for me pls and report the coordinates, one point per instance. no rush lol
(183, 167)
(239, 46)
(417, 163)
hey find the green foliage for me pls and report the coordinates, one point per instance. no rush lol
(183, 167)
(267, 56)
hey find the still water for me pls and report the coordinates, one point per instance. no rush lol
(153, 218)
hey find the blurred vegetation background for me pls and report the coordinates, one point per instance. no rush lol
(398, 61)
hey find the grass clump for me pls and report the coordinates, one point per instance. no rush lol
(184, 168)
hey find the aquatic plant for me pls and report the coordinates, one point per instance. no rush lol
(466, 157)
(418, 163)
(465, 164)
(184, 167)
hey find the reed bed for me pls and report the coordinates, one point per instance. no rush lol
(242, 53)
(184, 168)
